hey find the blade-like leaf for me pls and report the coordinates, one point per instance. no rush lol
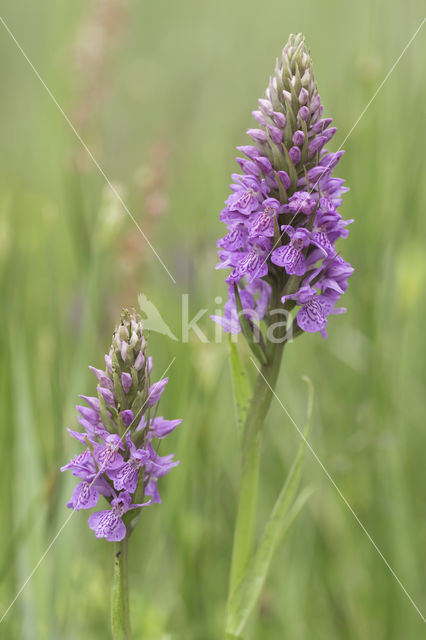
(256, 347)
(284, 512)
(25, 486)
(240, 385)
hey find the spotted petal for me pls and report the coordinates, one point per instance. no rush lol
(107, 525)
(311, 317)
(291, 259)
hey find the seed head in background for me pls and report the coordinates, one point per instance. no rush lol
(121, 426)
(282, 215)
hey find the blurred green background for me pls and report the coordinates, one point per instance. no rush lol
(161, 92)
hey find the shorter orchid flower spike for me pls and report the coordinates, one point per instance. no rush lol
(120, 462)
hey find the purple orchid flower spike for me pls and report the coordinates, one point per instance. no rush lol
(286, 182)
(117, 456)
(286, 274)
(120, 463)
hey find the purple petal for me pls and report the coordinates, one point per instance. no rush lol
(85, 496)
(126, 477)
(151, 490)
(107, 395)
(92, 402)
(319, 126)
(317, 144)
(107, 457)
(107, 525)
(83, 462)
(88, 414)
(291, 259)
(311, 316)
(155, 391)
(161, 427)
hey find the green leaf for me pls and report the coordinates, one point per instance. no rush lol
(248, 331)
(290, 166)
(240, 385)
(244, 534)
(25, 483)
(246, 594)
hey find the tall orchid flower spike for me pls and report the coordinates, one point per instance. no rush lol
(120, 461)
(282, 215)
(285, 278)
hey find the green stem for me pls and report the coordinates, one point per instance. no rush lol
(120, 613)
(251, 446)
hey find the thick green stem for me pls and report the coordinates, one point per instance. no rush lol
(120, 613)
(251, 447)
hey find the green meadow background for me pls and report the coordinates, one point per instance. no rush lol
(161, 92)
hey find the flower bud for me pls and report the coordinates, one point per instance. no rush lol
(280, 119)
(139, 362)
(266, 107)
(295, 154)
(298, 138)
(303, 96)
(303, 114)
(276, 134)
(126, 381)
(257, 134)
(259, 117)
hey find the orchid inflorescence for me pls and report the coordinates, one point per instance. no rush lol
(282, 215)
(121, 425)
